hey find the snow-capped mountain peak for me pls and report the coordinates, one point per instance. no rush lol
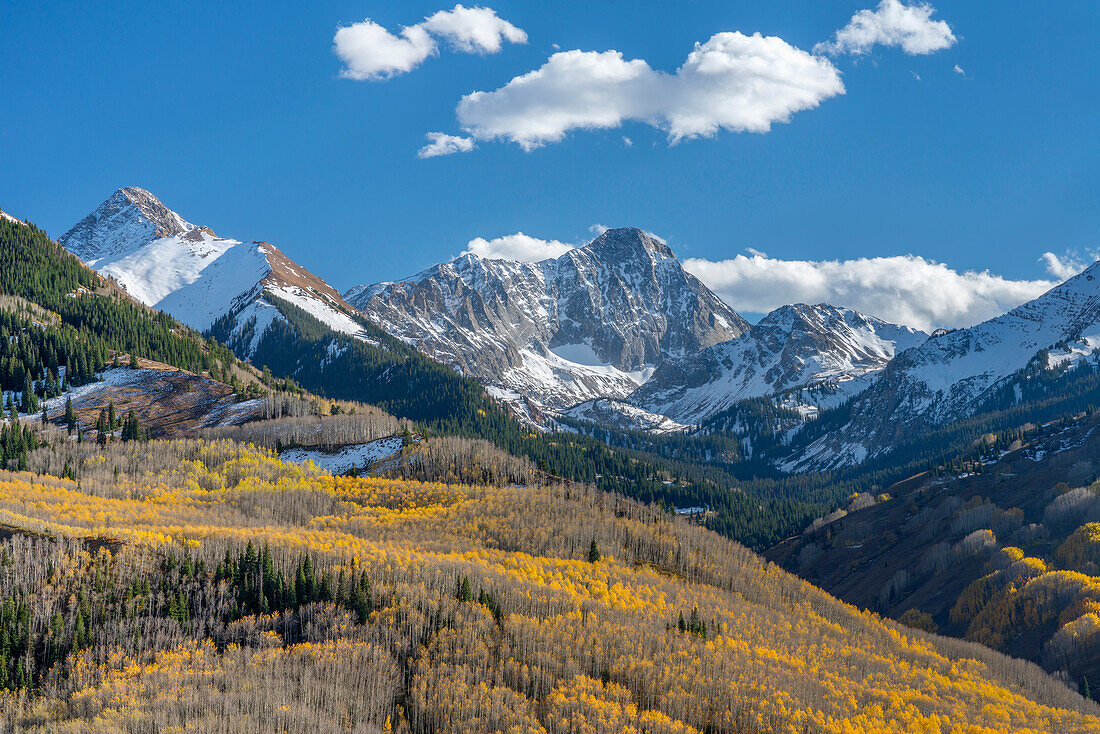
(131, 215)
(165, 261)
(628, 243)
(954, 373)
(591, 323)
(794, 346)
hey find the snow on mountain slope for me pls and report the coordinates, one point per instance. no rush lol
(168, 263)
(10, 218)
(949, 376)
(793, 346)
(592, 323)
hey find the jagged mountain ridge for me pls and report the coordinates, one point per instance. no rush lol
(166, 262)
(591, 323)
(951, 375)
(791, 347)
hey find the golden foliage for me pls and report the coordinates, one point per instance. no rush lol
(552, 643)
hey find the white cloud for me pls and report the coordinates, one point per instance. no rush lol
(473, 30)
(369, 51)
(598, 229)
(732, 82)
(959, 70)
(519, 247)
(905, 289)
(892, 23)
(443, 144)
(627, 141)
(1067, 265)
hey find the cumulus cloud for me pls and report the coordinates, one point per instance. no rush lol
(443, 144)
(892, 23)
(731, 82)
(959, 70)
(369, 51)
(518, 246)
(905, 289)
(1068, 265)
(473, 30)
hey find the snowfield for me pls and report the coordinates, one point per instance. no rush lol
(622, 415)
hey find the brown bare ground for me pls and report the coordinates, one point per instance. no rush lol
(169, 403)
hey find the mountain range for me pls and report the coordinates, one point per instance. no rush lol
(836, 350)
(956, 374)
(917, 471)
(614, 333)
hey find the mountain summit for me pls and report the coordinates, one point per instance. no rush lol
(165, 261)
(130, 215)
(594, 322)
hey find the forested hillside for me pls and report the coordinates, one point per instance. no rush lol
(62, 326)
(91, 318)
(210, 585)
(999, 548)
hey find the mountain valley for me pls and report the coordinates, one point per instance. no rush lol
(972, 516)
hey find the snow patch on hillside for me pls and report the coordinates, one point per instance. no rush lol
(557, 379)
(1086, 346)
(342, 460)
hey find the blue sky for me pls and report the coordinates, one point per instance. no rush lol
(238, 118)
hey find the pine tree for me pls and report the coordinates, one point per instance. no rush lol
(593, 552)
(131, 428)
(70, 415)
(30, 400)
(465, 594)
(101, 428)
(81, 638)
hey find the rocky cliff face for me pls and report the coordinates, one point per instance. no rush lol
(594, 322)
